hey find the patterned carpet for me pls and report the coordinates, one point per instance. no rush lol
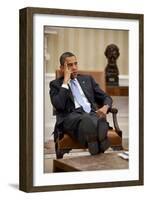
(49, 147)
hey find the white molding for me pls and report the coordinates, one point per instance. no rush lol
(49, 75)
(123, 80)
(49, 118)
(51, 30)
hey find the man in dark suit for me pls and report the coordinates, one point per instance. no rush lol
(81, 106)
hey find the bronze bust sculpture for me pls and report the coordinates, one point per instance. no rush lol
(111, 70)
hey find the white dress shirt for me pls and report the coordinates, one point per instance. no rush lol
(77, 105)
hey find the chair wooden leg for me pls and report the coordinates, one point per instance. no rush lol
(60, 152)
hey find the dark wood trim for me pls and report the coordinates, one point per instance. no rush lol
(26, 98)
(117, 90)
(141, 99)
(84, 13)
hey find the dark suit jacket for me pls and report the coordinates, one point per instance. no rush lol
(63, 101)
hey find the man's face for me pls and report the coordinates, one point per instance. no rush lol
(72, 64)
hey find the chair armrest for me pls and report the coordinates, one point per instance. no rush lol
(114, 112)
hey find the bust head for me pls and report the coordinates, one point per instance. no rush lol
(112, 53)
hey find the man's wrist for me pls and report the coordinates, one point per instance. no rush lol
(65, 85)
(107, 106)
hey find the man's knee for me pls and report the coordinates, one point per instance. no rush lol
(87, 124)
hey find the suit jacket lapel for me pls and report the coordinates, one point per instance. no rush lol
(70, 95)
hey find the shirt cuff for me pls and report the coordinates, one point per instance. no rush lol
(65, 86)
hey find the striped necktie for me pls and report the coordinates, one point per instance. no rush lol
(77, 95)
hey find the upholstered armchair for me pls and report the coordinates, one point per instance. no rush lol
(66, 143)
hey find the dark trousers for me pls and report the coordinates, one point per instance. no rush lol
(87, 127)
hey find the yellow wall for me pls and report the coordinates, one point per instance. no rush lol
(87, 44)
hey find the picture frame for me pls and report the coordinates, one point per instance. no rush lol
(28, 139)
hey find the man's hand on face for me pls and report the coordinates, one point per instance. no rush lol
(67, 73)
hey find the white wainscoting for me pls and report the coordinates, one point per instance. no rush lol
(123, 80)
(49, 118)
(120, 102)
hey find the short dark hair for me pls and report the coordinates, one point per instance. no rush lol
(64, 56)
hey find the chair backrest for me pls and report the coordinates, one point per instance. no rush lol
(99, 76)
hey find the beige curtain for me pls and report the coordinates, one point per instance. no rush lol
(87, 44)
